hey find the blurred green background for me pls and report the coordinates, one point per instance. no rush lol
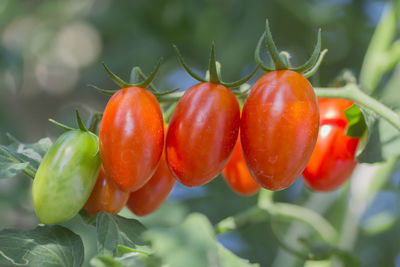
(50, 50)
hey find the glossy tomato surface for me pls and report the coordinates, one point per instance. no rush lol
(153, 194)
(279, 128)
(332, 111)
(106, 196)
(237, 175)
(333, 158)
(202, 133)
(66, 177)
(131, 137)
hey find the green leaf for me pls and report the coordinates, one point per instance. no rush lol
(114, 230)
(127, 260)
(32, 153)
(43, 246)
(192, 242)
(126, 256)
(381, 141)
(9, 165)
(18, 157)
(87, 218)
(355, 118)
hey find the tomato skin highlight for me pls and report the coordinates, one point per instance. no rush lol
(279, 128)
(131, 137)
(106, 196)
(154, 193)
(331, 111)
(333, 159)
(236, 174)
(202, 133)
(66, 176)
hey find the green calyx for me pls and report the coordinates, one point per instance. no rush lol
(214, 71)
(91, 124)
(282, 60)
(137, 79)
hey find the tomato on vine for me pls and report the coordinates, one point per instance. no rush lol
(203, 128)
(66, 175)
(154, 193)
(105, 196)
(131, 134)
(280, 119)
(333, 159)
(236, 174)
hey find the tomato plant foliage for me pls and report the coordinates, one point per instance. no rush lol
(19, 157)
(42, 246)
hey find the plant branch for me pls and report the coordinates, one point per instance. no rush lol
(353, 92)
(242, 219)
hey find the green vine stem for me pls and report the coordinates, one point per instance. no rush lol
(310, 217)
(240, 220)
(352, 92)
(267, 209)
(318, 202)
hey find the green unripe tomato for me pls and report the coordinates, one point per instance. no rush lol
(66, 176)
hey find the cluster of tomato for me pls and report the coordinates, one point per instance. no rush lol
(138, 163)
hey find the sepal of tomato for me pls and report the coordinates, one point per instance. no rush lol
(279, 128)
(106, 196)
(202, 133)
(236, 174)
(131, 137)
(66, 176)
(154, 193)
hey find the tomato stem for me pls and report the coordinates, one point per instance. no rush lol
(213, 74)
(353, 92)
(281, 60)
(169, 111)
(29, 171)
(61, 125)
(79, 121)
(136, 73)
(173, 97)
(93, 121)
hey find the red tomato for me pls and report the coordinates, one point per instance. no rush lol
(105, 196)
(279, 128)
(150, 197)
(333, 158)
(237, 175)
(202, 133)
(332, 111)
(131, 137)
